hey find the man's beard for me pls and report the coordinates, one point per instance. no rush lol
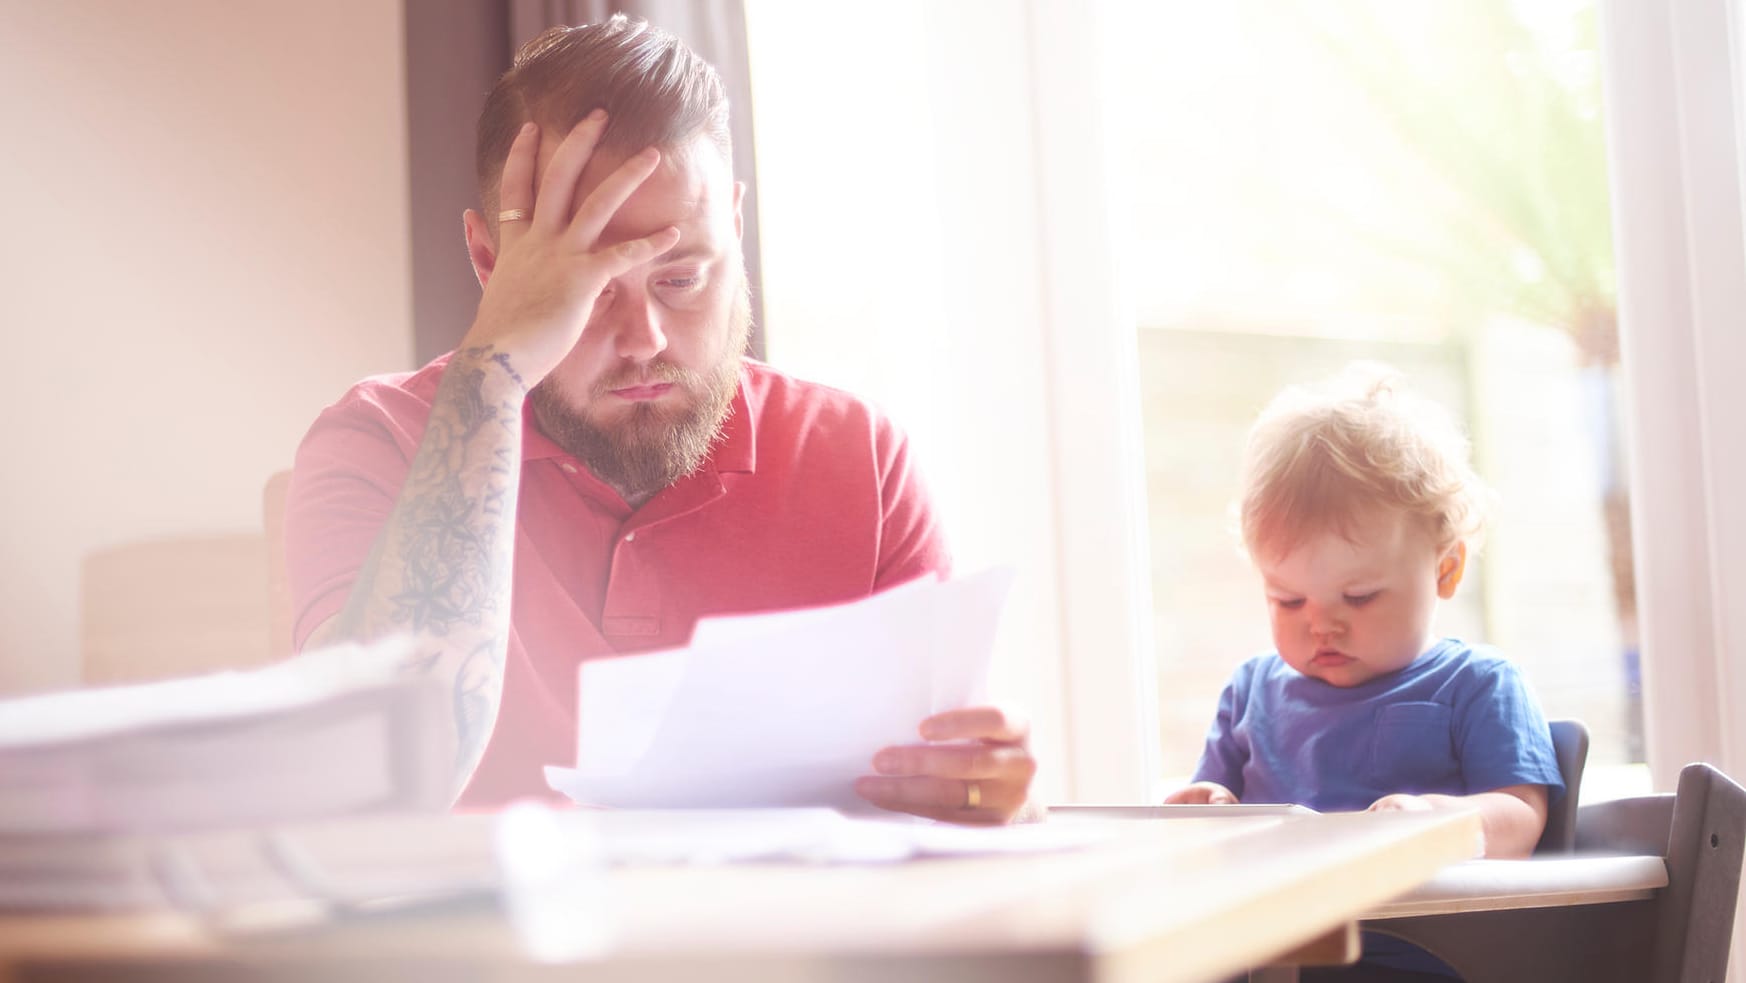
(650, 446)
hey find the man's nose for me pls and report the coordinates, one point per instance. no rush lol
(636, 325)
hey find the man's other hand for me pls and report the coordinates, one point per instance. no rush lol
(978, 770)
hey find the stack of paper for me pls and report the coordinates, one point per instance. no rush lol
(331, 733)
(255, 876)
(782, 709)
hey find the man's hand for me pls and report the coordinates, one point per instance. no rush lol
(550, 268)
(982, 776)
(1201, 794)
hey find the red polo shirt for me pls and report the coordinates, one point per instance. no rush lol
(810, 498)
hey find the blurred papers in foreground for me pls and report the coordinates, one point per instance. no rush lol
(330, 733)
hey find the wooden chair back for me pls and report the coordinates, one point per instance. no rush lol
(173, 607)
(278, 580)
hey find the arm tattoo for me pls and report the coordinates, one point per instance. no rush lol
(478, 685)
(502, 358)
(455, 565)
(421, 664)
(443, 566)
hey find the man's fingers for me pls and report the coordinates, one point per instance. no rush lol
(515, 188)
(558, 186)
(634, 253)
(610, 194)
(957, 761)
(945, 799)
(977, 724)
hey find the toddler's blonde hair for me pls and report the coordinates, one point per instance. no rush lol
(1320, 458)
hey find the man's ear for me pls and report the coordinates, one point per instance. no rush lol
(1450, 568)
(739, 201)
(481, 249)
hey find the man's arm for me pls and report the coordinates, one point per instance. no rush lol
(440, 569)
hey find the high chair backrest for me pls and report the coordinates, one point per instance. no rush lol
(1570, 745)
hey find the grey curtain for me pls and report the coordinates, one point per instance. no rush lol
(455, 49)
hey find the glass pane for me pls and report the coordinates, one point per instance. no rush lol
(1424, 183)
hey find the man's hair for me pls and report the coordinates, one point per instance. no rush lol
(1321, 458)
(656, 91)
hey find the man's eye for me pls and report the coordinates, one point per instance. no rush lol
(1359, 600)
(1291, 605)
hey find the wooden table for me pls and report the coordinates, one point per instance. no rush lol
(1191, 900)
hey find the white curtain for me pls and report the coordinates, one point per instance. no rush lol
(1675, 79)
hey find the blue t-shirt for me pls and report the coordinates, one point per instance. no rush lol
(1456, 721)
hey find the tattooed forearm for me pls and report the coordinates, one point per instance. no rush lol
(421, 664)
(458, 484)
(478, 685)
(502, 360)
(442, 566)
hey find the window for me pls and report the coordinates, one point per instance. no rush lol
(1422, 183)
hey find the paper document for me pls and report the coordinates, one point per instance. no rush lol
(84, 714)
(330, 733)
(782, 709)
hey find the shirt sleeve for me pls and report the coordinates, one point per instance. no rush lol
(348, 474)
(1503, 737)
(912, 542)
(1223, 758)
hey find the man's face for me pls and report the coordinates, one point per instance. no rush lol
(643, 394)
(1346, 611)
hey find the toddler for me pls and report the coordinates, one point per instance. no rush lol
(1359, 510)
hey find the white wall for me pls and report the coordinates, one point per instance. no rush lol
(205, 243)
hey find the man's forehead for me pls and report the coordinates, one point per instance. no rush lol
(694, 166)
(688, 189)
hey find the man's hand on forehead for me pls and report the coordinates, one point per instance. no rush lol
(550, 263)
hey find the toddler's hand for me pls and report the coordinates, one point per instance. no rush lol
(1400, 802)
(1201, 794)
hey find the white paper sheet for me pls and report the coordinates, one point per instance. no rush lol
(782, 709)
(83, 714)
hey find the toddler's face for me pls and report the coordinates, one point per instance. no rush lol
(1347, 611)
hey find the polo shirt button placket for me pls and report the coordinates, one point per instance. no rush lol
(631, 611)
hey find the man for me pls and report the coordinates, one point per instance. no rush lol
(596, 466)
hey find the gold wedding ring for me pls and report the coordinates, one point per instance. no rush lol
(514, 214)
(972, 795)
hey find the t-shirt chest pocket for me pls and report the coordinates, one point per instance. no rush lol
(1414, 750)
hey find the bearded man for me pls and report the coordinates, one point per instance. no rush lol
(597, 465)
